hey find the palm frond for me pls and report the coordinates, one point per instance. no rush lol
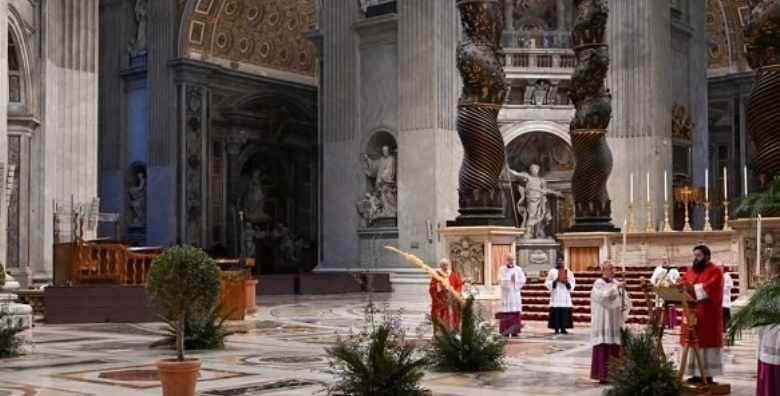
(762, 308)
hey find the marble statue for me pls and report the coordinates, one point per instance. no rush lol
(248, 235)
(138, 45)
(137, 195)
(254, 199)
(382, 171)
(289, 244)
(369, 207)
(534, 199)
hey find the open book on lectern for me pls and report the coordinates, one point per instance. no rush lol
(674, 294)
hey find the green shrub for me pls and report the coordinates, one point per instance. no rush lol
(643, 371)
(376, 362)
(763, 308)
(765, 203)
(201, 332)
(11, 340)
(474, 347)
(183, 281)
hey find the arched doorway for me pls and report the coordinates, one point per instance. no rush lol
(546, 145)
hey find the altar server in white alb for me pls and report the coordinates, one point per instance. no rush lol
(728, 284)
(560, 283)
(609, 308)
(511, 278)
(664, 275)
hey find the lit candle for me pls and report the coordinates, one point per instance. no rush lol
(707, 184)
(725, 185)
(666, 187)
(758, 247)
(744, 178)
(631, 189)
(648, 186)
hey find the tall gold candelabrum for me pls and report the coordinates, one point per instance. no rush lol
(707, 225)
(649, 217)
(631, 218)
(726, 226)
(667, 226)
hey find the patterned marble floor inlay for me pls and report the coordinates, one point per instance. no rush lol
(280, 351)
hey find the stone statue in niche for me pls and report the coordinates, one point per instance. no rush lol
(382, 172)
(248, 235)
(539, 95)
(536, 207)
(137, 46)
(289, 245)
(137, 195)
(254, 199)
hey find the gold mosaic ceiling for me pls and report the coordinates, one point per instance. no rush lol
(266, 33)
(726, 20)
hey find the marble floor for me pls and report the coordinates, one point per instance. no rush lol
(280, 352)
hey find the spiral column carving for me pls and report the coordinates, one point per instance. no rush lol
(484, 89)
(762, 35)
(593, 104)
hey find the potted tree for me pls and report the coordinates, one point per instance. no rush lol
(182, 281)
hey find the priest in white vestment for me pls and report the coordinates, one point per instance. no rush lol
(511, 279)
(560, 283)
(609, 308)
(768, 377)
(665, 274)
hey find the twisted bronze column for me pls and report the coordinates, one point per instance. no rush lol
(484, 88)
(592, 210)
(762, 38)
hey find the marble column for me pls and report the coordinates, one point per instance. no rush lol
(3, 125)
(639, 135)
(697, 98)
(68, 147)
(509, 17)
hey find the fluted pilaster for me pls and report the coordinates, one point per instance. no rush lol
(639, 78)
(3, 124)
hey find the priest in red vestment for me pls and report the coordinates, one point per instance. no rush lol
(444, 307)
(704, 282)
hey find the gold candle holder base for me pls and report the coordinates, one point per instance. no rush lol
(707, 225)
(667, 226)
(687, 226)
(649, 218)
(726, 226)
(631, 219)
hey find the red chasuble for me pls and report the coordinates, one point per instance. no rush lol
(444, 307)
(709, 314)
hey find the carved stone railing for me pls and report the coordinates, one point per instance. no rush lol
(532, 59)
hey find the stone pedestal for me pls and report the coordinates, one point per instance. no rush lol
(745, 235)
(21, 314)
(645, 249)
(535, 255)
(476, 254)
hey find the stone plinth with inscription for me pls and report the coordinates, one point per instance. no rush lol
(476, 254)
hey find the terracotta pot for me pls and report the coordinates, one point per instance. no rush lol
(178, 378)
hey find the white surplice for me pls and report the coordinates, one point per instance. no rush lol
(608, 312)
(511, 298)
(769, 344)
(560, 296)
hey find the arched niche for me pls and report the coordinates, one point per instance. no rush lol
(378, 139)
(378, 207)
(261, 169)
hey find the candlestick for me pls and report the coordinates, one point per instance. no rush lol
(687, 226)
(707, 225)
(623, 258)
(666, 187)
(745, 180)
(631, 189)
(631, 219)
(726, 225)
(649, 217)
(706, 184)
(758, 248)
(648, 186)
(725, 184)
(667, 226)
